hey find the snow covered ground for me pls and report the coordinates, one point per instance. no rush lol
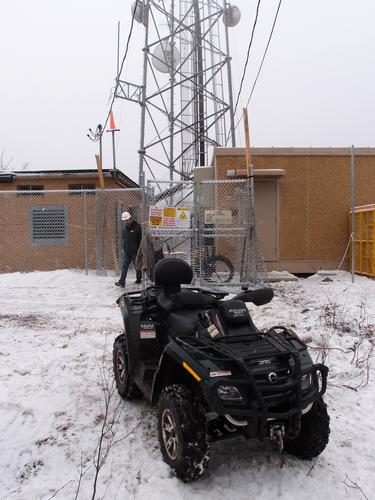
(56, 334)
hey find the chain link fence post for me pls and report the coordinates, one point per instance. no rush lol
(85, 232)
(143, 220)
(196, 250)
(100, 212)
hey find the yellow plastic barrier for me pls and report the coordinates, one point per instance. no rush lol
(364, 239)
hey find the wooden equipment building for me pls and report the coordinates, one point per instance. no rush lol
(303, 198)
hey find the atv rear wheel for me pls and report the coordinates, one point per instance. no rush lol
(124, 381)
(182, 433)
(314, 434)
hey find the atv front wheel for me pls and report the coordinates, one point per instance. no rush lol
(313, 437)
(182, 433)
(124, 381)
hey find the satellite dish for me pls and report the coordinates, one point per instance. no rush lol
(165, 57)
(140, 12)
(231, 16)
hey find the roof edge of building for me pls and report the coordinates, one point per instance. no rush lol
(271, 151)
(118, 176)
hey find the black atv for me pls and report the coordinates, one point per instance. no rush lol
(213, 374)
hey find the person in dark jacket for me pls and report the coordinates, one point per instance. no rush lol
(131, 237)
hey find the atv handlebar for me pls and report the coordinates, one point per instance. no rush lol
(258, 297)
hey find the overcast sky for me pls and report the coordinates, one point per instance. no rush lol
(58, 64)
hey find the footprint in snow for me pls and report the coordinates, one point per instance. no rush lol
(30, 469)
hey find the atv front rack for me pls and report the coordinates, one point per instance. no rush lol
(264, 397)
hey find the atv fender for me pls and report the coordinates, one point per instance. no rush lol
(171, 370)
(132, 327)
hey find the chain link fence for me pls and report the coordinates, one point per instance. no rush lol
(210, 224)
(48, 230)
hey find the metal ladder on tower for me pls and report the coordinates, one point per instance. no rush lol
(189, 151)
(217, 77)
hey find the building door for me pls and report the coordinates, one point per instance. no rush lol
(266, 216)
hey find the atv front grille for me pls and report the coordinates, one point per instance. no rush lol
(273, 380)
(273, 377)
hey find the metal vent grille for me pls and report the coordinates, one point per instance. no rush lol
(30, 190)
(48, 225)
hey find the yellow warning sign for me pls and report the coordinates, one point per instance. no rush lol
(183, 217)
(155, 217)
(169, 217)
(169, 212)
(155, 221)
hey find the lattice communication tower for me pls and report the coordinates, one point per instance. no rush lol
(186, 95)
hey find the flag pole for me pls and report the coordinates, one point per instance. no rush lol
(113, 129)
(353, 211)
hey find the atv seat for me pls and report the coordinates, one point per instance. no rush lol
(234, 315)
(183, 322)
(181, 307)
(236, 318)
(170, 274)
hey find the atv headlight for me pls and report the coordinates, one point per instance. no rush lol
(229, 393)
(306, 381)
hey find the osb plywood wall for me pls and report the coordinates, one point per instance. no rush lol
(314, 202)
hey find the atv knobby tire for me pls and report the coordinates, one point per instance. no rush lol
(182, 433)
(124, 381)
(314, 433)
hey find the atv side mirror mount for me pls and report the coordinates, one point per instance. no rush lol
(257, 297)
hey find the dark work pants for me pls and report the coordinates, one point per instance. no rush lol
(127, 260)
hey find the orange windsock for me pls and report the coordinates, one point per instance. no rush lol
(112, 124)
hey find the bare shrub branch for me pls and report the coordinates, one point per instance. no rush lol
(352, 484)
(4, 164)
(323, 347)
(60, 489)
(332, 315)
(112, 409)
(82, 471)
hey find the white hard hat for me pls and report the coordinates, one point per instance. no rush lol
(125, 216)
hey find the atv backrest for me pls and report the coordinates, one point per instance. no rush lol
(258, 297)
(171, 273)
